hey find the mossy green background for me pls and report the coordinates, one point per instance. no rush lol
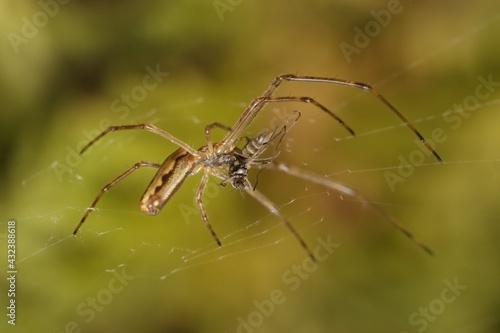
(62, 83)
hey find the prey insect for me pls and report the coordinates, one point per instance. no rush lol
(230, 164)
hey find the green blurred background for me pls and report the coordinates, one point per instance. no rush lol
(64, 70)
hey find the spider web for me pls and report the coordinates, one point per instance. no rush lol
(175, 243)
(209, 252)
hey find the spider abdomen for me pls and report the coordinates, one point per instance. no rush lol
(169, 177)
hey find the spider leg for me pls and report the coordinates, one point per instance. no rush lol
(208, 136)
(199, 200)
(358, 85)
(310, 100)
(321, 180)
(148, 127)
(263, 200)
(110, 185)
(258, 103)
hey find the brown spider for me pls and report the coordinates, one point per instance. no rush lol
(226, 161)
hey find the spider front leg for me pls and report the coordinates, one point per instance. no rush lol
(258, 103)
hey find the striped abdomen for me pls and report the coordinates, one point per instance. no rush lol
(172, 173)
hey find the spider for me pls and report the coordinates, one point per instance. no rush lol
(229, 163)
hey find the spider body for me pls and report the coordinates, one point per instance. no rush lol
(229, 163)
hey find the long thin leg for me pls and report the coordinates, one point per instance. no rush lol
(208, 136)
(364, 86)
(111, 184)
(256, 105)
(321, 180)
(273, 209)
(309, 100)
(148, 127)
(199, 200)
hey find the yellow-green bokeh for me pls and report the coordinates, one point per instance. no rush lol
(62, 83)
